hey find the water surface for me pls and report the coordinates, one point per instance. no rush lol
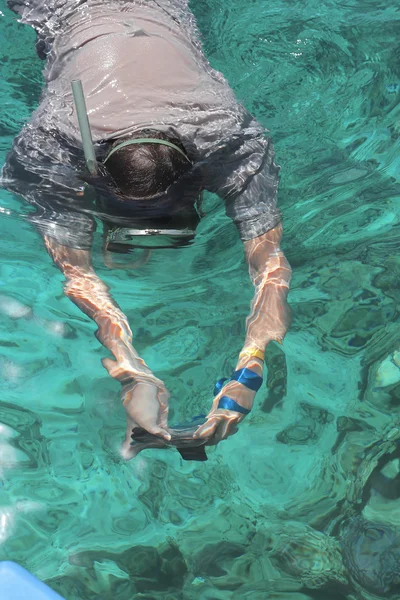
(303, 501)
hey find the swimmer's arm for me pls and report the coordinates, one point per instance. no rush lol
(145, 397)
(92, 296)
(268, 320)
(270, 273)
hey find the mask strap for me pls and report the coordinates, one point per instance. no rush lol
(146, 141)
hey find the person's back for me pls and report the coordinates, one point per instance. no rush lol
(138, 65)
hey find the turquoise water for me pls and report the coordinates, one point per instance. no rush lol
(302, 503)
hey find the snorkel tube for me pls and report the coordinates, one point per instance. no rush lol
(91, 163)
(84, 126)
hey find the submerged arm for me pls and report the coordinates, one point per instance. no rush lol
(270, 273)
(92, 296)
(145, 396)
(268, 320)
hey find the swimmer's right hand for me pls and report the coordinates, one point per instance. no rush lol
(146, 406)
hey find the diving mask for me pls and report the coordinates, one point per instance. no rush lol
(147, 238)
(155, 224)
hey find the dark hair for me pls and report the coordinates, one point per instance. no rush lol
(145, 170)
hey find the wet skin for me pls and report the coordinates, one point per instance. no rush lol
(268, 321)
(145, 397)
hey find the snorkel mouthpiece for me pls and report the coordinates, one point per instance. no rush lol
(84, 126)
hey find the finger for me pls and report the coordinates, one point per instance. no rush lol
(146, 417)
(108, 363)
(163, 397)
(206, 430)
(163, 420)
(234, 430)
(227, 426)
(128, 452)
(131, 450)
(111, 366)
(156, 430)
(222, 431)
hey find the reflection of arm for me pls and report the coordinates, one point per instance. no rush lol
(270, 273)
(92, 296)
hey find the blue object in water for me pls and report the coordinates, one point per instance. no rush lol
(18, 584)
(393, 88)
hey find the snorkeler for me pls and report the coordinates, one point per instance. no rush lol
(162, 127)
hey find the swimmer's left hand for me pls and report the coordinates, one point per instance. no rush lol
(222, 423)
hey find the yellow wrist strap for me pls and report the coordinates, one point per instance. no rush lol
(253, 352)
